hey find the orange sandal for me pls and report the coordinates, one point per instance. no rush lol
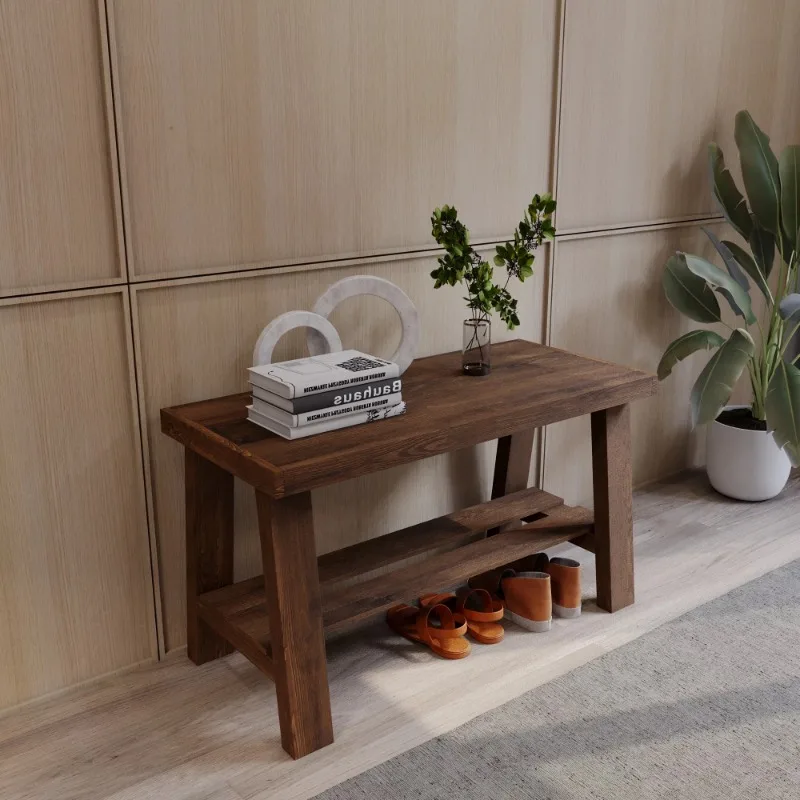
(480, 609)
(417, 625)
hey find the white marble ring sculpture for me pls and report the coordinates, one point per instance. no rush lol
(328, 335)
(379, 287)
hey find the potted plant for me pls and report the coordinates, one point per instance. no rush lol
(750, 448)
(462, 264)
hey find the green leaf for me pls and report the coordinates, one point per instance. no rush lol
(762, 243)
(714, 386)
(759, 171)
(691, 295)
(789, 309)
(783, 409)
(499, 260)
(730, 200)
(789, 170)
(684, 346)
(746, 262)
(737, 297)
(729, 259)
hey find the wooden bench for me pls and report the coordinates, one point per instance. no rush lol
(278, 620)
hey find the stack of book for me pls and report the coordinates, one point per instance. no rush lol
(322, 393)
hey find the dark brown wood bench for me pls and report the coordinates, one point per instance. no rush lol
(278, 620)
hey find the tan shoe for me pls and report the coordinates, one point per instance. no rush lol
(565, 585)
(525, 595)
(527, 599)
(480, 608)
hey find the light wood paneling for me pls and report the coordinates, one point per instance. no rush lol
(646, 85)
(195, 341)
(74, 560)
(608, 302)
(57, 204)
(263, 131)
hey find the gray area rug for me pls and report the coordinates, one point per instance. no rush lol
(705, 707)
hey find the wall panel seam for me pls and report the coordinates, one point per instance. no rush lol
(111, 73)
(541, 456)
(111, 136)
(155, 595)
(22, 293)
(238, 270)
(72, 294)
(144, 453)
(118, 139)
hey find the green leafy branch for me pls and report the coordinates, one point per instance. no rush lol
(460, 262)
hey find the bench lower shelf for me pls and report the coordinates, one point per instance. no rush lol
(443, 552)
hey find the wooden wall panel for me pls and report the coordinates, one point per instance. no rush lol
(57, 211)
(74, 556)
(195, 341)
(646, 85)
(608, 303)
(268, 131)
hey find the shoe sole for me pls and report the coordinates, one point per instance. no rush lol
(536, 626)
(566, 613)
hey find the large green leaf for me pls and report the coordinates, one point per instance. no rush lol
(691, 295)
(738, 298)
(762, 243)
(789, 307)
(783, 409)
(730, 200)
(684, 346)
(789, 168)
(789, 310)
(759, 171)
(746, 262)
(727, 256)
(714, 386)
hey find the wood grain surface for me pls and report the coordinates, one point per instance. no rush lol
(57, 194)
(293, 605)
(531, 385)
(209, 549)
(242, 608)
(326, 127)
(77, 594)
(680, 71)
(613, 528)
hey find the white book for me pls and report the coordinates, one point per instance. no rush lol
(326, 425)
(335, 397)
(332, 412)
(321, 373)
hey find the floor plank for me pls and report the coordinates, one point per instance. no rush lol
(210, 733)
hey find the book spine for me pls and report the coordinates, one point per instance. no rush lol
(326, 425)
(342, 411)
(332, 412)
(367, 376)
(273, 399)
(341, 397)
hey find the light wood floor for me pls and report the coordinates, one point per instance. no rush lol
(181, 732)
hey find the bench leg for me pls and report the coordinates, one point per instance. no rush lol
(512, 468)
(611, 470)
(291, 583)
(209, 549)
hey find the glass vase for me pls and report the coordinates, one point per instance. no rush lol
(476, 347)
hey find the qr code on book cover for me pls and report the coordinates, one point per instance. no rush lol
(360, 363)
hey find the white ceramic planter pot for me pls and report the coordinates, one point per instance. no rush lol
(745, 465)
